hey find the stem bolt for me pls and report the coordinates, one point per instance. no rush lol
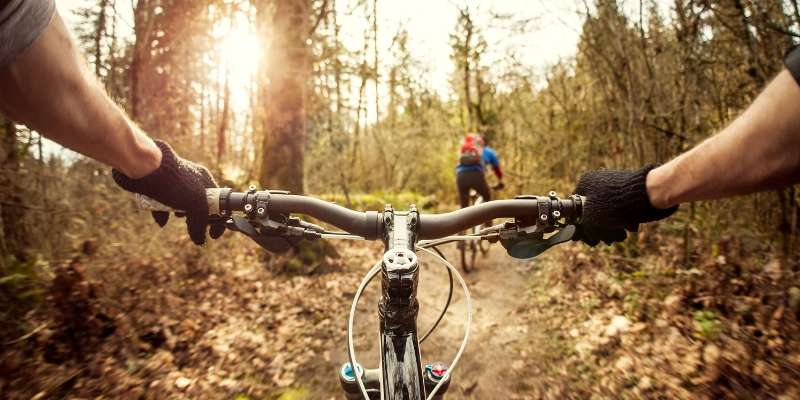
(260, 210)
(543, 217)
(248, 207)
(556, 214)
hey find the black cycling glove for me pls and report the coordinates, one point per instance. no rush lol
(179, 184)
(616, 201)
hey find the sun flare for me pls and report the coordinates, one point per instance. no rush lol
(240, 53)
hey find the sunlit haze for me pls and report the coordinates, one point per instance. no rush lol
(550, 35)
(240, 53)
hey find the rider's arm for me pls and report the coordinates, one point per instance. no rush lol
(491, 159)
(760, 150)
(49, 88)
(45, 83)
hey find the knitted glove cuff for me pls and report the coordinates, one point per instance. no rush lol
(618, 198)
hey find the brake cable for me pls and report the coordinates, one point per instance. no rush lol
(340, 235)
(351, 351)
(448, 239)
(446, 305)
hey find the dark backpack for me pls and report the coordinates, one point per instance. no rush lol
(470, 151)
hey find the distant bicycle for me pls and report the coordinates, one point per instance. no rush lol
(471, 249)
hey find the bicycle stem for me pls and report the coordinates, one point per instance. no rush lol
(398, 307)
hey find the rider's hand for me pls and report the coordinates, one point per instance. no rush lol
(179, 184)
(499, 186)
(616, 201)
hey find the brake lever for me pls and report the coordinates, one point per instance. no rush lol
(275, 236)
(525, 247)
(275, 244)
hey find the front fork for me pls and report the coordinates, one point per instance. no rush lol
(400, 375)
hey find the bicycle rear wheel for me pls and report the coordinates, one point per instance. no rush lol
(469, 252)
(483, 247)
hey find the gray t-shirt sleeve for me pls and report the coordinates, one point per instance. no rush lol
(21, 22)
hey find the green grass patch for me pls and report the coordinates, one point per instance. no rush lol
(631, 304)
(707, 324)
(376, 201)
(21, 289)
(295, 394)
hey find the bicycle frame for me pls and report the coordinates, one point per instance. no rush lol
(401, 362)
(400, 374)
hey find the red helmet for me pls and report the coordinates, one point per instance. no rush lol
(475, 137)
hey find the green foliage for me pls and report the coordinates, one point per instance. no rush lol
(295, 394)
(376, 201)
(20, 274)
(707, 324)
(21, 289)
(309, 257)
(590, 303)
(631, 304)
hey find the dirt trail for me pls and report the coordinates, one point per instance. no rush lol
(493, 358)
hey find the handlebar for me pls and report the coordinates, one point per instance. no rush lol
(369, 224)
(435, 226)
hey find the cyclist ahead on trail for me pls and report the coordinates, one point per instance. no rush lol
(474, 155)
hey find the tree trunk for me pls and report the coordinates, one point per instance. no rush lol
(142, 28)
(788, 218)
(282, 87)
(203, 120)
(99, 32)
(13, 231)
(466, 77)
(375, 60)
(224, 119)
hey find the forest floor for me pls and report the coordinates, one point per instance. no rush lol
(492, 366)
(574, 323)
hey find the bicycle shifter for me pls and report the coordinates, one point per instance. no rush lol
(526, 248)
